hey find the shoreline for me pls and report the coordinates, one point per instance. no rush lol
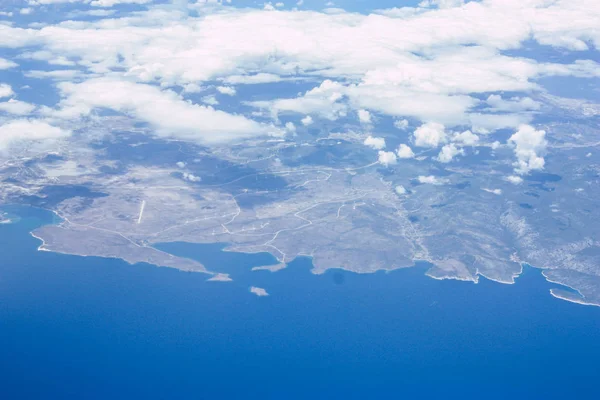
(572, 300)
(215, 276)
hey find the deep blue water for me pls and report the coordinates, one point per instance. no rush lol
(92, 328)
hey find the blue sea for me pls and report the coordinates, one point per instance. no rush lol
(92, 328)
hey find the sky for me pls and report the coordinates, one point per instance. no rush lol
(451, 72)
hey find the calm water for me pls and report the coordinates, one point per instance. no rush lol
(92, 328)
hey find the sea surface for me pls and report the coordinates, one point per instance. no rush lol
(93, 328)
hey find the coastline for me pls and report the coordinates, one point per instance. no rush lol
(554, 293)
(216, 276)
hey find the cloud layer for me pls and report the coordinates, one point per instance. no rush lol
(443, 63)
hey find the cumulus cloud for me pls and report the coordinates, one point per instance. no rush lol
(466, 138)
(487, 123)
(16, 107)
(375, 143)
(400, 190)
(401, 124)
(529, 146)
(323, 100)
(405, 151)
(306, 121)
(227, 90)
(111, 3)
(59, 74)
(402, 101)
(191, 177)
(387, 158)
(436, 72)
(515, 180)
(164, 110)
(260, 292)
(442, 3)
(5, 90)
(431, 180)
(23, 130)
(364, 116)
(261, 77)
(93, 3)
(290, 127)
(47, 56)
(515, 104)
(7, 64)
(448, 152)
(430, 134)
(211, 100)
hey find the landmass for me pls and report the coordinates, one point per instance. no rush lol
(327, 199)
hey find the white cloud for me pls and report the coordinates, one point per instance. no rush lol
(7, 64)
(400, 190)
(227, 90)
(93, 3)
(442, 3)
(306, 121)
(364, 116)
(93, 13)
(497, 192)
(466, 138)
(579, 69)
(180, 164)
(448, 152)
(445, 54)
(323, 100)
(290, 127)
(111, 3)
(486, 123)
(22, 130)
(258, 78)
(47, 56)
(432, 180)
(430, 134)
(59, 74)
(405, 151)
(166, 111)
(5, 90)
(48, 2)
(260, 292)
(16, 107)
(401, 124)
(193, 88)
(529, 146)
(400, 101)
(191, 177)
(387, 158)
(375, 142)
(515, 104)
(211, 100)
(515, 180)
